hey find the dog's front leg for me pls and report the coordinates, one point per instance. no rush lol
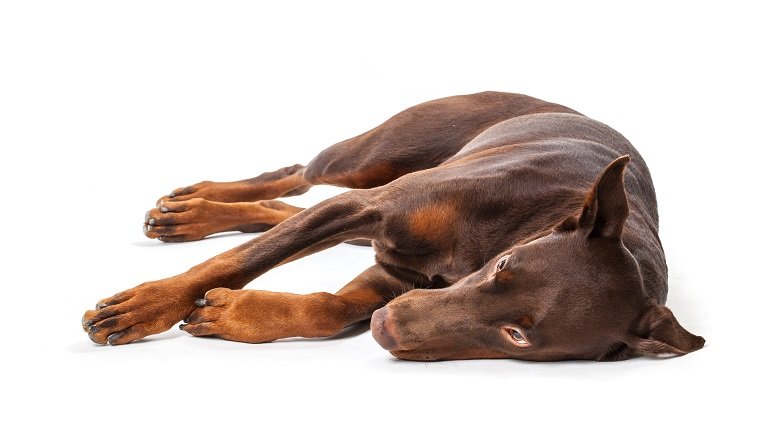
(154, 307)
(261, 316)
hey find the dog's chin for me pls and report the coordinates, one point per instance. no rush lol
(442, 354)
(412, 355)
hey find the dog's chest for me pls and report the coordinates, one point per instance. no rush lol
(436, 264)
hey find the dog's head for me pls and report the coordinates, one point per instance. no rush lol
(575, 293)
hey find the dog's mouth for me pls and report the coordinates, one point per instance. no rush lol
(385, 332)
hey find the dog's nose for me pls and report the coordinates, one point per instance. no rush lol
(383, 330)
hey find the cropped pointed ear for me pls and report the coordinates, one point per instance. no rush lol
(656, 334)
(606, 207)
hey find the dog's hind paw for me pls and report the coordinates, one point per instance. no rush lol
(182, 221)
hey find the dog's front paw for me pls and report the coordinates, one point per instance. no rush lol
(133, 314)
(251, 316)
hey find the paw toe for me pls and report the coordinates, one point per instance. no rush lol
(130, 334)
(202, 329)
(93, 335)
(113, 300)
(100, 324)
(164, 230)
(183, 191)
(176, 238)
(87, 320)
(204, 314)
(113, 338)
(216, 297)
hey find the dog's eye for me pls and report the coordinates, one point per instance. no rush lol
(518, 337)
(502, 263)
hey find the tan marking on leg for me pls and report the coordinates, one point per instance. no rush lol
(368, 177)
(282, 186)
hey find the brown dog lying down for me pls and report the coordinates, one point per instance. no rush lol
(504, 227)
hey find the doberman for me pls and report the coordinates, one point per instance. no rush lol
(502, 224)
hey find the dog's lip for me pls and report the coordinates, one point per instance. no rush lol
(382, 331)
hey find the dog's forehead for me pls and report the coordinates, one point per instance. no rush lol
(569, 254)
(549, 255)
(565, 278)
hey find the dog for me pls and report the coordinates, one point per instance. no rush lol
(504, 226)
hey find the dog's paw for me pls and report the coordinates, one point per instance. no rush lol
(133, 314)
(183, 221)
(241, 315)
(208, 190)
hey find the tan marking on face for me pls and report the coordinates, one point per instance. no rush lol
(525, 321)
(504, 276)
(433, 222)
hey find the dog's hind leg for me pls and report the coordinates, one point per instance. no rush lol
(417, 138)
(256, 316)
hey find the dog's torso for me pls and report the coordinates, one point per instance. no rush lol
(514, 182)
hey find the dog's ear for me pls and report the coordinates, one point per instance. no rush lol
(606, 207)
(657, 333)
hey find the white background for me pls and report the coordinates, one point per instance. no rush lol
(106, 106)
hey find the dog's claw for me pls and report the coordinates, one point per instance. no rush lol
(100, 306)
(113, 338)
(182, 326)
(86, 323)
(172, 194)
(200, 303)
(163, 209)
(147, 216)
